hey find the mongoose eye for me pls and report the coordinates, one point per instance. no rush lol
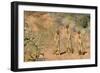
(79, 32)
(67, 26)
(57, 32)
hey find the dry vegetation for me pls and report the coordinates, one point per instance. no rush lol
(56, 36)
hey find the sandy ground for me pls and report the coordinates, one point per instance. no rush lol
(49, 55)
